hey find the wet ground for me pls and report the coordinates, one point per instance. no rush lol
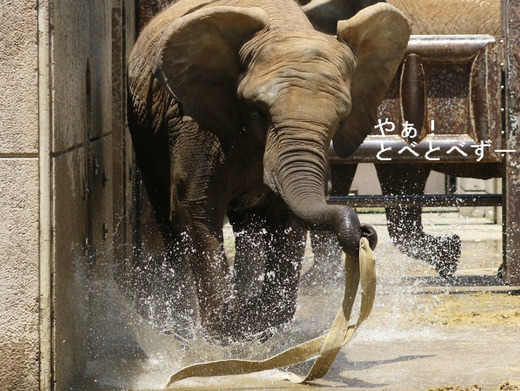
(423, 334)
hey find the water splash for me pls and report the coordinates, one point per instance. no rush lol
(143, 324)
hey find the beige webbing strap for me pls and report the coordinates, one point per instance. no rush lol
(324, 348)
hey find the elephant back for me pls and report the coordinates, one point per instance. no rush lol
(452, 16)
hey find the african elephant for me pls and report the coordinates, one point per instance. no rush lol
(404, 223)
(452, 16)
(427, 16)
(232, 107)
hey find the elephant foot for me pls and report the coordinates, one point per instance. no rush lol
(447, 261)
(236, 332)
(220, 331)
(256, 332)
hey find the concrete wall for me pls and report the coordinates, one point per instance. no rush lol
(82, 127)
(88, 157)
(61, 129)
(19, 196)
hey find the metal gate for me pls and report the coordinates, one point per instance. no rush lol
(453, 101)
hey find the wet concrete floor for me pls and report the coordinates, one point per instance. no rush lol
(423, 333)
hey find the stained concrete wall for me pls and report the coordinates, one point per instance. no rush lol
(64, 163)
(82, 114)
(88, 157)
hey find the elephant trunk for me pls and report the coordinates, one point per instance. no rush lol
(295, 169)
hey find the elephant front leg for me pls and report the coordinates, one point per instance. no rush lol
(404, 222)
(275, 244)
(285, 246)
(198, 202)
(205, 252)
(327, 268)
(248, 266)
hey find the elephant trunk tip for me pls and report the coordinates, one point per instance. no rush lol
(350, 231)
(369, 232)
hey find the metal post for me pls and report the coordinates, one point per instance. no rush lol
(511, 33)
(418, 200)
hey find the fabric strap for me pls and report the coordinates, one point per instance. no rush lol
(324, 349)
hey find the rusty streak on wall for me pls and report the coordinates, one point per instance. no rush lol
(61, 124)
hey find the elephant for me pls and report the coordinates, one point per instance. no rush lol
(433, 17)
(452, 16)
(232, 107)
(404, 223)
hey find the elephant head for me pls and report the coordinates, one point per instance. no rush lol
(292, 90)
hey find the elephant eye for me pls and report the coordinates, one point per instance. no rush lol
(259, 115)
(258, 111)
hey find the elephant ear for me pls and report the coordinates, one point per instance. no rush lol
(379, 35)
(197, 61)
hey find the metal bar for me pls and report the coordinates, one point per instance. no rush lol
(511, 26)
(380, 149)
(446, 47)
(418, 200)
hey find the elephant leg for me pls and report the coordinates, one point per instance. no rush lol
(155, 177)
(162, 274)
(282, 245)
(248, 266)
(327, 265)
(285, 247)
(197, 210)
(203, 247)
(405, 223)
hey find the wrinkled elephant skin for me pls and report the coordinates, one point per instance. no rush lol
(233, 105)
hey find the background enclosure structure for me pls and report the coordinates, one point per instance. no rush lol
(458, 90)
